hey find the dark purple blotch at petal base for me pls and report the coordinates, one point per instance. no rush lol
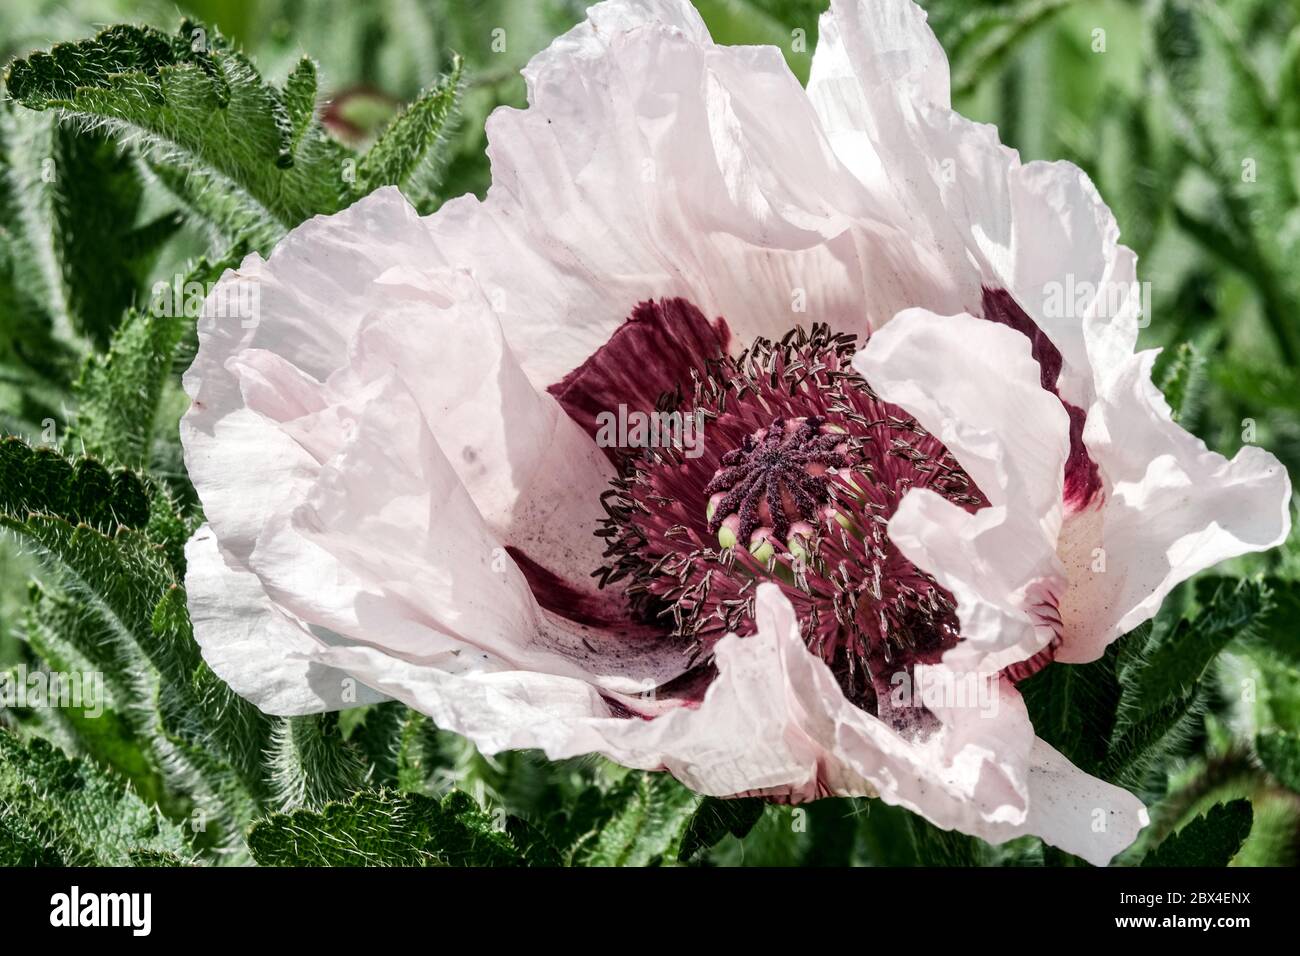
(1082, 477)
(652, 354)
(660, 346)
(569, 599)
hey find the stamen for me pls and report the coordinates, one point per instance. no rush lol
(801, 469)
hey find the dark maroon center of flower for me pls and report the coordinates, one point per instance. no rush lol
(776, 476)
(800, 468)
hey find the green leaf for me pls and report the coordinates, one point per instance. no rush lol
(381, 828)
(938, 847)
(1226, 104)
(887, 835)
(42, 481)
(1165, 668)
(208, 741)
(651, 816)
(197, 105)
(299, 98)
(106, 251)
(1160, 671)
(221, 734)
(23, 845)
(312, 764)
(375, 730)
(1132, 166)
(1137, 752)
(155, 858)
(75, 220)
(43, 333)
(67, 638)
(208, 198)
(1289, 82)
(409, 149)
(122, 577)
(39, 340)
(573, 826)
(1234, 130)
(1182, 380)
(533, 843)
(1276, 634)
(979, 36)
(88, 816)
(121, 393)
(1209, 840)
(415, 745)
(715, 819)
(1279, 752)
(518, 781)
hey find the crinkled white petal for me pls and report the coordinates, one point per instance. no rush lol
(319, 465)
(1173, 508)
(255, 646)
(879, 83)
(1168, 507)
(1076, 812)
(387, 547)
(775, 721)
(653, 163)
(875, 66)
(974, 385)
(369, 281)
(533, 473)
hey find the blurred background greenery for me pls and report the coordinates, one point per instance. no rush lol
(1186, 116)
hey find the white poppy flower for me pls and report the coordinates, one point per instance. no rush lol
(908, 453)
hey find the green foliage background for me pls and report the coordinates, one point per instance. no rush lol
(132, 156)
